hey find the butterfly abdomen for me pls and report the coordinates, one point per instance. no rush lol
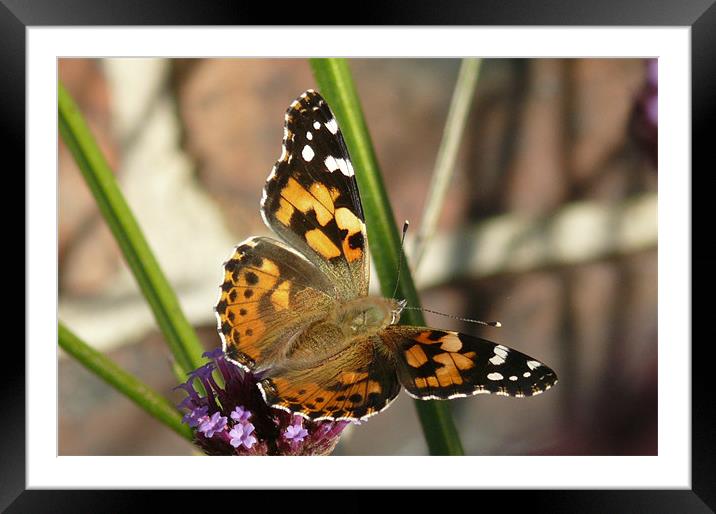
(346, 325)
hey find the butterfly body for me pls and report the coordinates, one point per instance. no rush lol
(297, 312)
(346, 326)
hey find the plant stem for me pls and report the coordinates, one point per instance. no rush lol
(179, 334)
(336, 85)
(141, 394)
(460, 104)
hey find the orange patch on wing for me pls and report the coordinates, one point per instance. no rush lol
(416, 356)
(319, 241)
(280, 295)
(424, 337)
(270, 267)
(352, 377)
(449, 373)
(304, 201)
(346, 220)
(326, 198)
(448, 376)
(449, 342)
(456, 360)
(423, 383)
(335, 193)
(284, 212)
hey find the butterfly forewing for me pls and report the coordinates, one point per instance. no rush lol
(438, 364)
(311, 197)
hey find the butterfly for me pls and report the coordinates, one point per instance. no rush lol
(297, 313)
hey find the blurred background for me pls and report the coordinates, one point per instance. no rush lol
(550, 227)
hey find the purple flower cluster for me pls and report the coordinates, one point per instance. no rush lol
(645, 118)
(233, 419)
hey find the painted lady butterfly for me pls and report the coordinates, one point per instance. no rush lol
(298, 314)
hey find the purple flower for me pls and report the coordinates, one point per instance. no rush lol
(241, 435)
(194, 416)
(210, 425)
(220, 416)
(213, 354)
(240, 414)
(295, 433)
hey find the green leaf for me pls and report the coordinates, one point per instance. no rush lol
(336, 85)
(177, 330)
(137, 391)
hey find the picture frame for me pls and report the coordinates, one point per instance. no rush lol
(16, 18)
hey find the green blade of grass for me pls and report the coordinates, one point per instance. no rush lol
(463, 95)
(141, 394)
(177, 330)
(335, 83)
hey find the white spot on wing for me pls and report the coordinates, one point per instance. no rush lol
(332, 126)
(526, 374)
(346, 169)
(497, 360)
(307, 153)
(501, 351)
(500, 355)
(309, 136)
(513, 378)
(316, 125)
(331, 163)
(495, 376)
(533, 364)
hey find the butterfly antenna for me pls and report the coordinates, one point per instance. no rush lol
(479, 322)
(400, 258)
(397, 281)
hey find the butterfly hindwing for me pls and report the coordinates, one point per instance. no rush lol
(269, 292)
(311, 197)
(354, 384)
(439, 364)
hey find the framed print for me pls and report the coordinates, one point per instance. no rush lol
(545, 171)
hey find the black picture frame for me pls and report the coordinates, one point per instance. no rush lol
(700, 16)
